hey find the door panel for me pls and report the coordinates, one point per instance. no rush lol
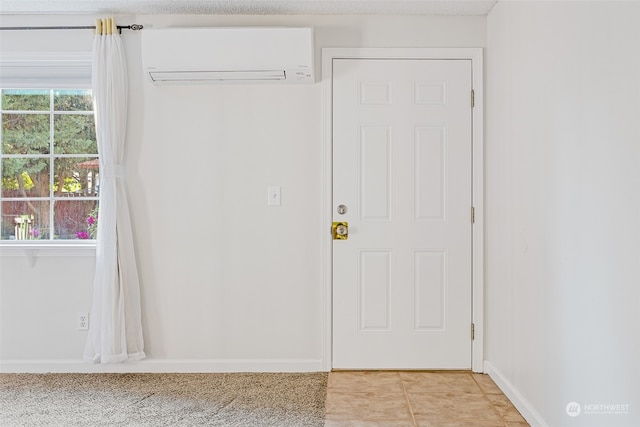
(402, 156)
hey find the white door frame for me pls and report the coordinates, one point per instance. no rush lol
(473, 54)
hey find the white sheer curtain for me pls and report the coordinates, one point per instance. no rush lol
(115, 333)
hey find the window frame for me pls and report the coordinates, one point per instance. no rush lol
(46, 70)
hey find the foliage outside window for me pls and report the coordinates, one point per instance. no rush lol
(49, 165)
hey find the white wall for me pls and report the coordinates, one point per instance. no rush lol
(227, 282)
(562, 208)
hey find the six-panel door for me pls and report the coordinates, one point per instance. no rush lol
(402, 167)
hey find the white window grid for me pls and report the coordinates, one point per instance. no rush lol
(51, 156)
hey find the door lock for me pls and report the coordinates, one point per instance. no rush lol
(340, 230)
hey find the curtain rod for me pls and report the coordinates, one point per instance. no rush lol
(133, 27)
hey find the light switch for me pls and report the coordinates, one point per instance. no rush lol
(273, 196)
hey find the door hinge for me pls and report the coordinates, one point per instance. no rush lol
(473, 331)
(473, 98)
(473, 215)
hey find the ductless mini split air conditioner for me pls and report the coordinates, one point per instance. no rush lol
(228, 55)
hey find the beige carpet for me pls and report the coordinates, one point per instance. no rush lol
(230, 400)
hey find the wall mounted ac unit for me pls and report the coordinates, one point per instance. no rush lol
(228, 55)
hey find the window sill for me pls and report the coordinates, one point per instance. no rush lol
(33, 249)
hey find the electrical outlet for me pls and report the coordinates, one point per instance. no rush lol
(83, 321)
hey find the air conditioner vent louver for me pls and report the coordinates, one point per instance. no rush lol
(200, 76)
(228, 55)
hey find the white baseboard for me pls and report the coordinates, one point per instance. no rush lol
(526, 409)
(163, 366)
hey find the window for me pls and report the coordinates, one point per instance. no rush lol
(49, 165)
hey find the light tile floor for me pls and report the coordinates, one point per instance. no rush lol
(417, 399)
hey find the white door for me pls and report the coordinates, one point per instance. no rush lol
(402, 178)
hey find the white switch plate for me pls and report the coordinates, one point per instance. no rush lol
(273, 194)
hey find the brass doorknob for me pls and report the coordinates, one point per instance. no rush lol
(340, 230)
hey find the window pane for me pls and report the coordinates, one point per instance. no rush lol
(76, 177)
(74, 134)
(71, 218)
(25, 133)
(25, 177)
(72, 100)
(25, 100)
(25, 220)
(48, 164)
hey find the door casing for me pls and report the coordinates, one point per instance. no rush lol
(473, 54)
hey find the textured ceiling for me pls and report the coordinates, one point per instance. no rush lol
(250, 7)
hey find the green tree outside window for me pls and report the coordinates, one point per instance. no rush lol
(48, 162)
